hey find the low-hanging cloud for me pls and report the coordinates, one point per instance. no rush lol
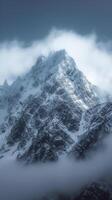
(94, 58)
(63, 177)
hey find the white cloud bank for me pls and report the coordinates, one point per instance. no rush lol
(92, 57)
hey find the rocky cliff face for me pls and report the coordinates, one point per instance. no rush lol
(97, 124)
(44, 109)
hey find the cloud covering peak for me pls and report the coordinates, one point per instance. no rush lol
(94, 58)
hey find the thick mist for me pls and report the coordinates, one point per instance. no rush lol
(65, 176)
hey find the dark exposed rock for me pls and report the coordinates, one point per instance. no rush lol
(46, 146)
(95, 192)
(97, 126)
(17, 131)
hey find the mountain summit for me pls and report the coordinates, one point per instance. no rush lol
(41, 111)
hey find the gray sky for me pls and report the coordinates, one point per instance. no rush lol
(29, 20)
(83, 28)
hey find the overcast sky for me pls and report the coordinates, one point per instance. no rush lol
(29, 28)
(29, 20)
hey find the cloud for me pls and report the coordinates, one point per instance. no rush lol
(93, 57)
(63, 177)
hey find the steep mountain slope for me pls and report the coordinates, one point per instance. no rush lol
(43, 109)
(97, 124)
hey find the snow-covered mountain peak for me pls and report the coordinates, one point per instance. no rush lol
(45, 106)
(53, 63)
(60, 67)
(57, 56)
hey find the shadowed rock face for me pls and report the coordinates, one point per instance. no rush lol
(50, 126)
(47, 146)
(98, 125)
(95, 192)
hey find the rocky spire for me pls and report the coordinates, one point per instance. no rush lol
(5, 85)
